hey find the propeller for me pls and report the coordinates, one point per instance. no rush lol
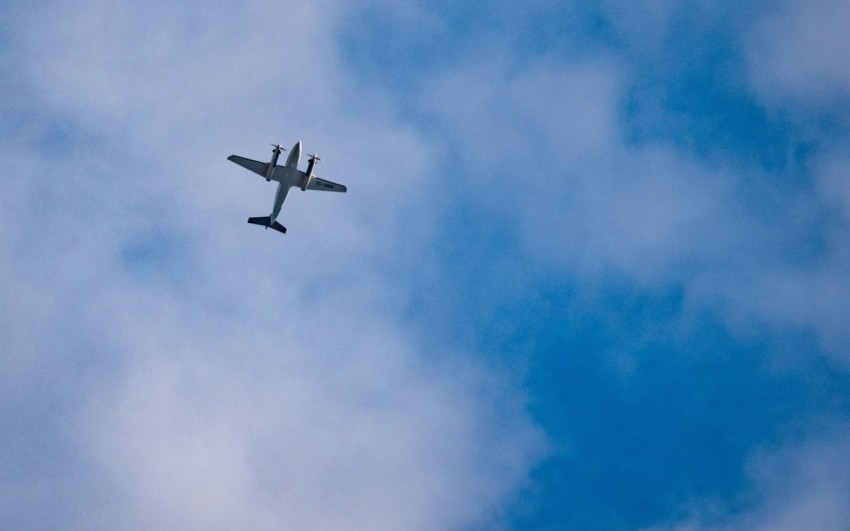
(308, 178)
(278, 147)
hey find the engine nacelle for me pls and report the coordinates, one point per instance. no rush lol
(275, 154)
(308, 178)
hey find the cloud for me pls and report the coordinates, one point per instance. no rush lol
(800, 486)
(804, 487)
(794, 58)
(831, 182)
(551, 136)
(548, 141)
(352, 430)
(796, 53)
(542, 145)
(192, 371)
(170, 366)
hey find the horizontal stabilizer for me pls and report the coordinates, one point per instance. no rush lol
(265, 223)
(260, 221)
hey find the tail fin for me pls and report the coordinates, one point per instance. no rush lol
(265, 223)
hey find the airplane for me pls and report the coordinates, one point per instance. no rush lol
(287, 176)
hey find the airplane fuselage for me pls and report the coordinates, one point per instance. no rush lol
(287, 179)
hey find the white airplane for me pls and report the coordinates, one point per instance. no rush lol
(287, 176)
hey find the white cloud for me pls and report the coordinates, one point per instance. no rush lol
(798, 53)
(804, 487)
(222, 376)
(549, 139)
(346, 430)
(506, 111)
(796, 60)
(832, 182)
(786, 298)
(801, 486)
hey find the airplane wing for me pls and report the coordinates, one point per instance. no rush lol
(255, 166)
(323, 185)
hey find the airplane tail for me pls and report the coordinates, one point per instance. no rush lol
(265, 223)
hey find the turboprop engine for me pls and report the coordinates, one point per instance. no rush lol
(308, 179)
(275, 154)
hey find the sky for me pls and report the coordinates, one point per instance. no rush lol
(591, 271)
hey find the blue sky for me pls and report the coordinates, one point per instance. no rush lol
(591, 271)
